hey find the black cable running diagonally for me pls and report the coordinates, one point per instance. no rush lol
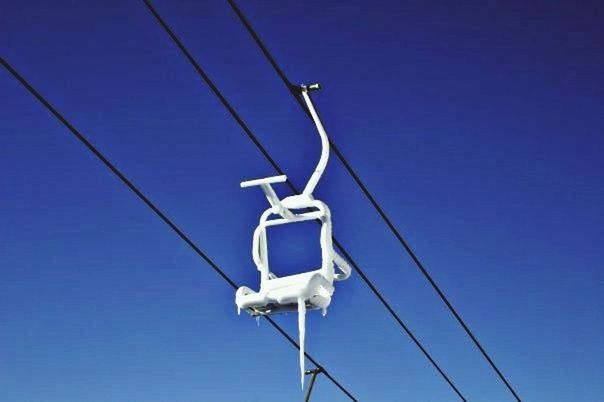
(277, 168)
(156, 210)
(371, 198)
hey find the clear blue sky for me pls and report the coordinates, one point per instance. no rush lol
(478, 126)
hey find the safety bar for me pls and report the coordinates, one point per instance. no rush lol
(265, 180)
(273, 199)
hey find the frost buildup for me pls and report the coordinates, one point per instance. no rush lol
(310, 290)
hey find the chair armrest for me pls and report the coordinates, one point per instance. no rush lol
(265, 180)
(342, 264)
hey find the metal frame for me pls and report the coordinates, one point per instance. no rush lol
(309, 290)
(315, 287)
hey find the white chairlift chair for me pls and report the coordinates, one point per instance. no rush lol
(308, 290)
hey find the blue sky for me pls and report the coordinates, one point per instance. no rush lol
(477, 126)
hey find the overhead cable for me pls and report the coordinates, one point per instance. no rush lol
(197, 67)
(375, 204)
(156, 210)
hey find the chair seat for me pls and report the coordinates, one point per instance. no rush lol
(282, 294)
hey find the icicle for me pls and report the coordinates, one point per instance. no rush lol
(258, 320)
(238, 310)
(324, 312)
(302, 335)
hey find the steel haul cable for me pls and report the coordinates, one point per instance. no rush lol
(373, 201)
(277, 168)
(156, 210)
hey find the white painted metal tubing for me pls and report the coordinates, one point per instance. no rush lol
(314, 179)
(342, 264)
(297, 218)
(265, 180)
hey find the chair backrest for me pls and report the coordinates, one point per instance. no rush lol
(260, 244)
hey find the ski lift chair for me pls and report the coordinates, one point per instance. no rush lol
(314, 288)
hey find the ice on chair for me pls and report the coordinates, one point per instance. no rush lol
(281, 295)
(300, 292)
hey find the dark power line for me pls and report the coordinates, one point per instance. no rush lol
(373, 201)
(277, 168)
(156, 210)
